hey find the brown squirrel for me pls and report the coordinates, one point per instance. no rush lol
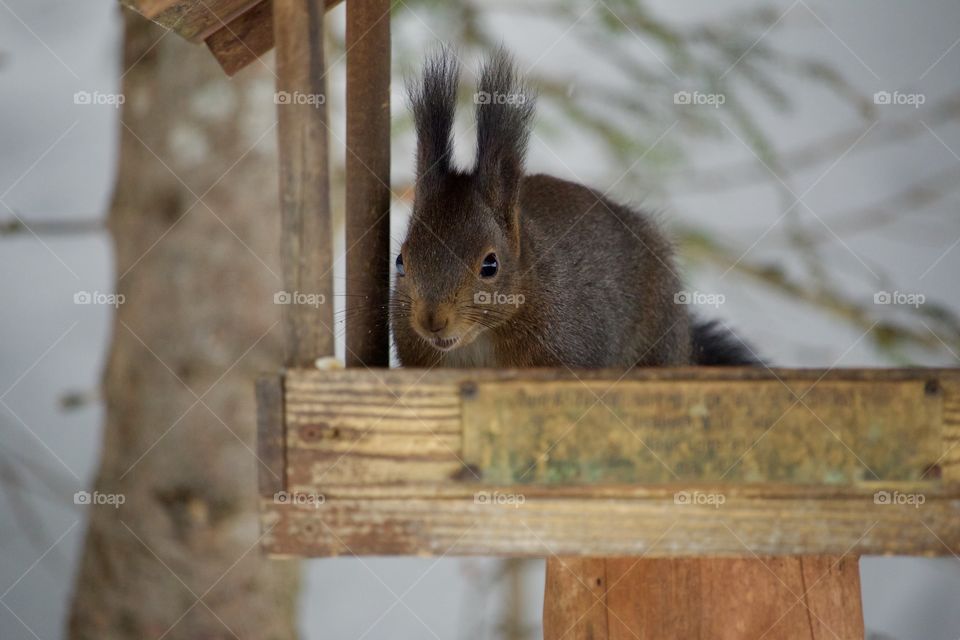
(502, 269)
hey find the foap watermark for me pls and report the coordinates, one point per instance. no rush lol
(302, 499)
(897, 98)
(898, 498)
(496, 498)
(298, 297)
(699, 99)
(899, 298)
(485, 97)
(298, 97)
(699, 298)
(97, 98)
(96, 297)
(112, 499)
(699, 498)
(495, 297)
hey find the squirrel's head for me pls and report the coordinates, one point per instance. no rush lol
(459, 270)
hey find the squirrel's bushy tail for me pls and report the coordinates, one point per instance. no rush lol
(715, 345)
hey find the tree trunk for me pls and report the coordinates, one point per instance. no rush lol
(180, 557)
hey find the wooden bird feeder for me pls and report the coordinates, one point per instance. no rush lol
(690, 503)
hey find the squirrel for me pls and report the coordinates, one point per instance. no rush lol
(504, 269)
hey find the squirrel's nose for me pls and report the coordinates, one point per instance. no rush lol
(435, 323)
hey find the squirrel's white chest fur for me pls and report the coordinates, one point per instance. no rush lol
(479, 353)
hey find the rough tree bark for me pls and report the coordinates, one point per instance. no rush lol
(180, 556)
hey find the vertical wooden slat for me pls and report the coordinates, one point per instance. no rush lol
(307, 232)
(368, 180)
(271, 436)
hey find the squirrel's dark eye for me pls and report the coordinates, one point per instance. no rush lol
(489, 267)
(400, 270)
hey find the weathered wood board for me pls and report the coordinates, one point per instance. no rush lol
(305, 213)
(788, 427)
(670, 462)
(831, 432)
(245, 39)
(523, 521)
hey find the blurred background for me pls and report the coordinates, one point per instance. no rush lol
(804, 155)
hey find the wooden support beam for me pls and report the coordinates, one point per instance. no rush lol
(793, 598)
(368, 182)
(387, 450)
(307, 230)
(247, 37)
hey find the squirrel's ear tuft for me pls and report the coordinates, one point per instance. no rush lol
(433, 99)
(505, 109)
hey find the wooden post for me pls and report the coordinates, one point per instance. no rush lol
(368, 180)
(306, 242)
(789, 597)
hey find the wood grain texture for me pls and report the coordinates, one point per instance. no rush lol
(574, 599)
(363, 430)
(246, 38)
(191, 19)
(307, 230)
(368, 182)
(794, 598)
(545, 521)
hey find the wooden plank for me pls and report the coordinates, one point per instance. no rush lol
(191, 19)
(616, 521)
(380, 455)
(794, 598)
(415, 426)
(368, 182)
(307, 230)
(270, 436)
(833, 432)
(246, 38)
